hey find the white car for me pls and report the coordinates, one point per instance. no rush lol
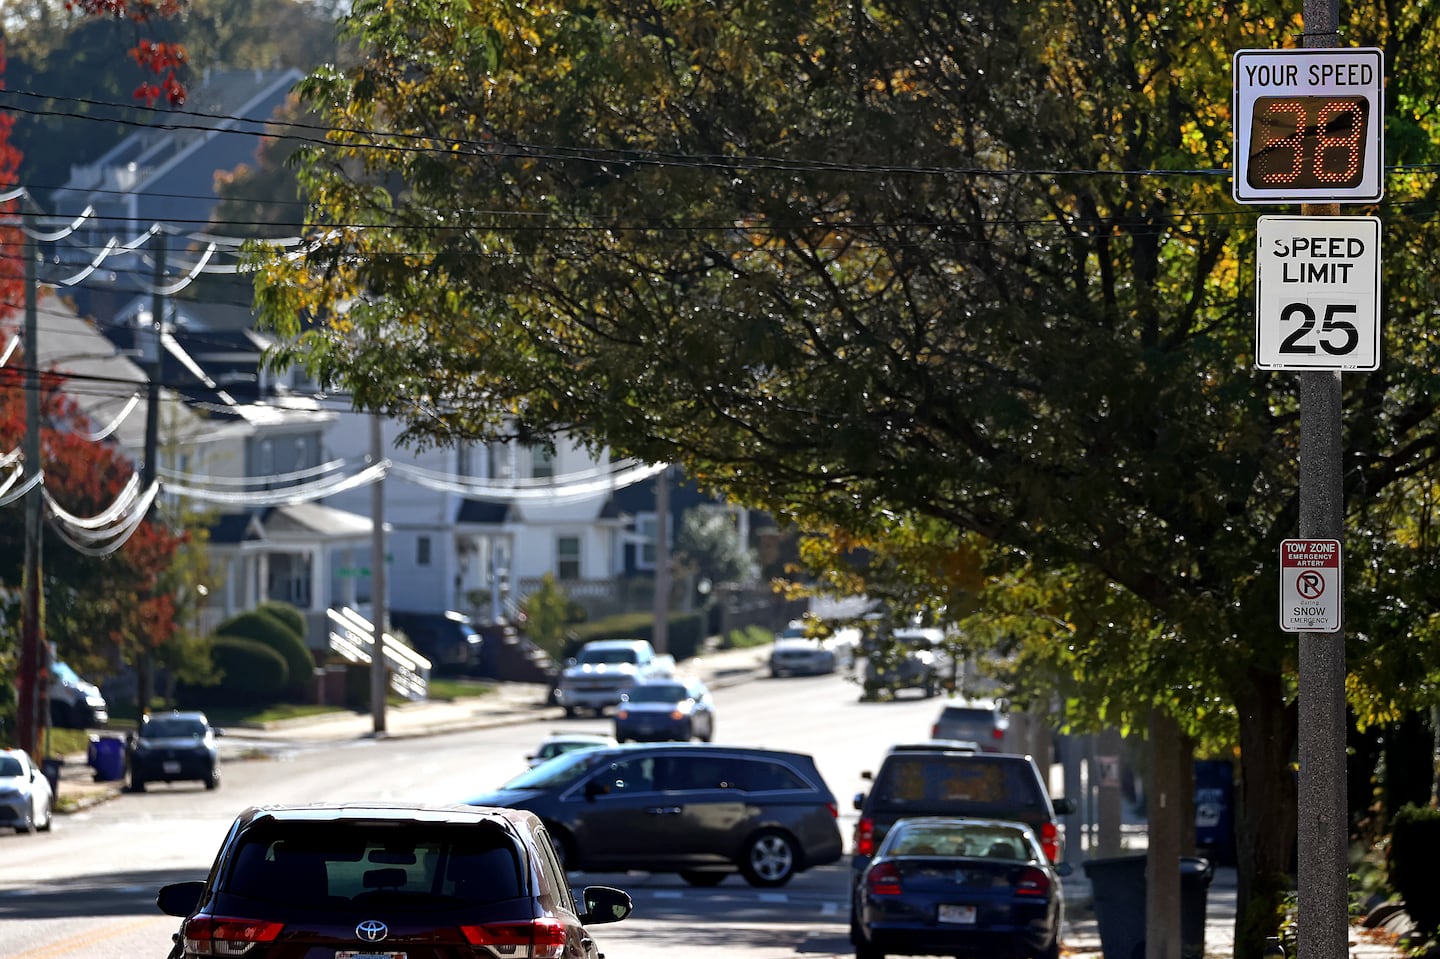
(27, 803)
(560, 743)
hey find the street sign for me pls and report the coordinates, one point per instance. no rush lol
(1310, 586)
(1309, 125)
(1317, 293)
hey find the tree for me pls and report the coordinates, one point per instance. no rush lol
(709, 547)
(548, 614)
(922, 274)
(101, 610)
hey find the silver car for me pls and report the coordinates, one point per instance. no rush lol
(27, 803)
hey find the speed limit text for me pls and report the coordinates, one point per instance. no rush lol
(1317, 259)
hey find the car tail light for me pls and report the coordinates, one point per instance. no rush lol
(225, 936)
(935, 731)
(883, 879)
(527, 939)
(834, 810)
(622, 714)
(677, 714)
(865, 837)
(997, 733)
(1032, 882)
(1050, 841)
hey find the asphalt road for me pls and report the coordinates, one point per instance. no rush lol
(87, 889)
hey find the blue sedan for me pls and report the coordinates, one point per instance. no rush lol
(944, 886)
(666, 709)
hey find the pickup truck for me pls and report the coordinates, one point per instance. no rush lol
(605, 669)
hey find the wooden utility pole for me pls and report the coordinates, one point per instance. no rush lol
(32, 617)
(152, 353)
(660, 634)
(379, 673)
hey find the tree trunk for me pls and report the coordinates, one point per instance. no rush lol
(1265, 820)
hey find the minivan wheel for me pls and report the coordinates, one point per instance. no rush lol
(212, 778)
(771, 859)
(696, 877)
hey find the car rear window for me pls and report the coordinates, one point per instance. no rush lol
(343, 864)
(967, 714)
(973, 785)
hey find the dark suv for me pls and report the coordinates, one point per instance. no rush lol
(447, 639)
(386, 879)
(699, 810)
(925, 780)
(174, 746)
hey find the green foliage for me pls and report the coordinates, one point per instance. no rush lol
(252, 673)
(287, 613)
(749, 637)
(548, 614)
(1414, 850)
(264, 626)
(709, 546)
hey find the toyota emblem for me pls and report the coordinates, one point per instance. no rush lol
(372, 930)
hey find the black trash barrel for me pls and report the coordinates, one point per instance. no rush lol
(1118, 893)
(50, 769)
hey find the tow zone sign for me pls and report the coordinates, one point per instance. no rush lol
(1310, 585)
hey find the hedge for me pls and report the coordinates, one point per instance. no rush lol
(264, 626)
(686, 633)
(251, 674)
(1414, 849)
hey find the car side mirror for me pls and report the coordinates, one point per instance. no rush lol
(1063, 869)
(604, 904)
(1064, 807)
(859, 801)
(179, 898)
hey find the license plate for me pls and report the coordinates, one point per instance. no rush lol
(171, 766)
(959, 914)
(343, 954)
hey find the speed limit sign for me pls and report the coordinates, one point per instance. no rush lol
(1317, 293)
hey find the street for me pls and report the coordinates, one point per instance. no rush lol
(87, 889)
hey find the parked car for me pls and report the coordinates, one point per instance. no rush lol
(665, 709)
(387, 879)
(796, 653)
(604, 670)
(931, 781)
(981, 720)
(27, 803)
(703, 811)
(970, 887)
(915, 659)
(447, 639)
(558, 743)
(174, 747)
(75, 703)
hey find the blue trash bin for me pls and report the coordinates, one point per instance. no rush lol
(109, 759)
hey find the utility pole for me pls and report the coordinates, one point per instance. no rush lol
(1322, 908)
(152, 352)
(660, 634)
(379, 677)
(32, 618)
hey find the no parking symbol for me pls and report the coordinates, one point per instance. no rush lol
(1310, 576)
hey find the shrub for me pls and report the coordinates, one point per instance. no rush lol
(251, 674)
(288, 614)
(685, 635)
(1414, 848)
(265, 627)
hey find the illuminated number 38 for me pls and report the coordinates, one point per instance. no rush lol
(1308, 142)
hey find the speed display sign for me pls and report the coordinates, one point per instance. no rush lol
(1317, 293)
(1309, 125)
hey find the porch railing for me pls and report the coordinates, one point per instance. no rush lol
(353, 637)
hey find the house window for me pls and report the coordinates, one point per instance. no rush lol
(465, 459)
(542, 462)
(646, 526)
(567, 558)
(422, 551)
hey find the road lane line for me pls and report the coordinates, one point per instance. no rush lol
(74, 943)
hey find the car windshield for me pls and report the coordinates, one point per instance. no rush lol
(550, 750)
(605, 657)
(356, 866)
(10, 766)
(66, 675)
(560, 771)
(173, 729)
(658, 693)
